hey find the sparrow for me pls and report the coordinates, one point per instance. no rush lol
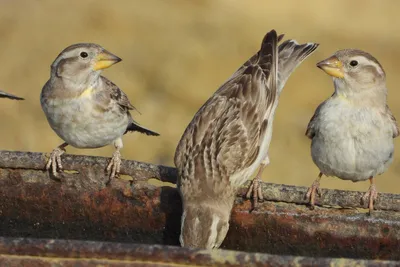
(228, 139)
(352, 132)
(10, 96)
(84, 108)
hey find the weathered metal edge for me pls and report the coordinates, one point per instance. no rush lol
(140, 171)
(81, 205)
(36, 252)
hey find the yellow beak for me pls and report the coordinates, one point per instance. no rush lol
(332, 66)
(105, 60)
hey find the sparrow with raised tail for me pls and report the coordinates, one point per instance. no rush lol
(10, 96)
(86, 109)
(228, 139)
(352, 131)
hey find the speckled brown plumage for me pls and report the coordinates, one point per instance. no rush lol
(228, 139)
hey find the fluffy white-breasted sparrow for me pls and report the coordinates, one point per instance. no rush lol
(352, 131)
(86, 109)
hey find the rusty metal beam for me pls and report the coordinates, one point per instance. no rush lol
(41, 252)
(86, 165)
(93, 167)
(80, 205)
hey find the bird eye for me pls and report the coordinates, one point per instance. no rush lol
(83, 54)
(353, 63)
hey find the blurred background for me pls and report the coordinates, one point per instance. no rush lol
(177, 53)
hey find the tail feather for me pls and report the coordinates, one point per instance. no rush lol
(136, 127)
(291, 54)
(7, 95)
(280, 37)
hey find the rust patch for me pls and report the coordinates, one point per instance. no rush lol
(81, 206)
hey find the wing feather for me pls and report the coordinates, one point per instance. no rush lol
(225, 134)
(117, 95)
(312, 126)
(392, 119)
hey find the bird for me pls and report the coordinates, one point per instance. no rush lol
(10, 96)
(228, 139)
(352, 132)
(84, 108)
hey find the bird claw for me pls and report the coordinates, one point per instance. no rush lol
(54, 161)
(311, 193)
(255, 190)
(370, 196)
(115, 165)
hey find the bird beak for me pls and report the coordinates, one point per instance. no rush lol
(332, 66)
(105, 60)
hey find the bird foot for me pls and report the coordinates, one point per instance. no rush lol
(311, 193)
(255, 191)
(114, 165)
(54, 161)
(370, 196)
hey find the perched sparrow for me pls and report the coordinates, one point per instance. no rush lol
(352, 131)
(7, 95)
(84, 108)
(228, 139)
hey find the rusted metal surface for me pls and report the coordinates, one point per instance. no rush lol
(40, 252)
(86, 166)
(79, 205)
(92, 169)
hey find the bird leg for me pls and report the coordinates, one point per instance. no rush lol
(115, 163)
(370, 195)
(314, 189)
(255, 188)
(55, 159)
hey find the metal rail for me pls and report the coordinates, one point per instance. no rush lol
(40, 252)
(81, 205)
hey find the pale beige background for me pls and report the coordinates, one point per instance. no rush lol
(177, 53)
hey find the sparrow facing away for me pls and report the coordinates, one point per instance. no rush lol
(228, 139)
(85, 109)
(352, 131)
(10, 96)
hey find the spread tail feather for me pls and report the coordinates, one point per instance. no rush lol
(291, 54)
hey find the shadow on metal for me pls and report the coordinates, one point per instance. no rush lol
(79, 204)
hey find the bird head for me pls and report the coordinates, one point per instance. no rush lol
(204, 226)
(354, 70)
(81, 63)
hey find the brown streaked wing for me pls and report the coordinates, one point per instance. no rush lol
(117, 94)
(393, 121)
(310, 132)
(224, 136)
(242, 130)
(312, 125)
